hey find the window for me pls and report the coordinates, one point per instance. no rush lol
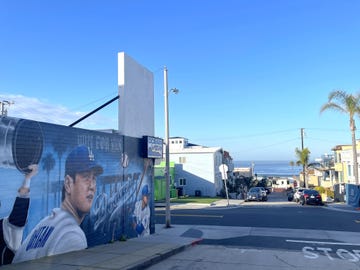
(182, 181)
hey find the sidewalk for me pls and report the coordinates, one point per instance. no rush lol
(219, 203)
(343, 207)
(137, 253)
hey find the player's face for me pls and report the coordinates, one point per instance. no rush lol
(83, 191)
(145, 200)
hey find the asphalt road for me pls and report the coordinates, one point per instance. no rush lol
(267, 235)
(277, 212)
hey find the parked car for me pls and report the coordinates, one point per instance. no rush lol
(255, 194)
(290, 195)
(311, 196)
(298, 193)
(268, 190)
(264, 194)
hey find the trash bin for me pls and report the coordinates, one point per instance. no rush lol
(197, 193)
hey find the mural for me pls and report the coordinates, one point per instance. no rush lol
(352, 195)
(66, 189)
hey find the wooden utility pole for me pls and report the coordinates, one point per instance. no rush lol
(302, 149)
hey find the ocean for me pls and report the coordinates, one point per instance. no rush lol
(271, 168)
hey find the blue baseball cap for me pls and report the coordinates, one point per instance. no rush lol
(81, 159)
(145, 190)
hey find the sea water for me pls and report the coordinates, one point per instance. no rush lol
(270, 168)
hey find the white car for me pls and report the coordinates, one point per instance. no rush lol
(298, 193)
(263, 194)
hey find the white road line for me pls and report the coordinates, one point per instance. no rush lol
(323, 243)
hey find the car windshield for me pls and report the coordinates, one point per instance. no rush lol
(311, 192)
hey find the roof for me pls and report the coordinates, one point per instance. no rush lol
(196, 150)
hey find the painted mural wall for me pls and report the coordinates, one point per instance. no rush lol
(64, 189)
(352, 195)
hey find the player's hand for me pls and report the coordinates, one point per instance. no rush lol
(34, 168)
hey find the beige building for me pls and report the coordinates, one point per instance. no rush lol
(344, 166)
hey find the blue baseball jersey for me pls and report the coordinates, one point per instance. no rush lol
(58, 233)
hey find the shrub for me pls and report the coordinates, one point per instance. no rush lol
(330, 193)
(326, 191)
(321, 190)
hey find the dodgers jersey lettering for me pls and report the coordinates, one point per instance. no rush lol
(57, 233)
(39, 238)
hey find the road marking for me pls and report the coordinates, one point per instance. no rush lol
(192, 215)
(323, 243)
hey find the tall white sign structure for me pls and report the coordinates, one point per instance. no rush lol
(136, 98)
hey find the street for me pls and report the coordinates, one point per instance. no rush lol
(274, 235)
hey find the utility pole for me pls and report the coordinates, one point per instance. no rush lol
(3, 105)
(302, 149)
(302, 138)
(167, 148)
(167, 157)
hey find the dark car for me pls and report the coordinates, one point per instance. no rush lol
(255, 194)
(311, 196)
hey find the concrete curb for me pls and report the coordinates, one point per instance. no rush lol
(163, 256)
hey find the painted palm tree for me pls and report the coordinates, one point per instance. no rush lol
(349, 104)
(60, 148)
(303, 156)
(48, 163)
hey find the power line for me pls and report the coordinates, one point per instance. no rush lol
(95, 101)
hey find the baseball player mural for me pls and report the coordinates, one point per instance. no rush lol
(141, 216)
(90, 188)
(60, 232)
(12, 227)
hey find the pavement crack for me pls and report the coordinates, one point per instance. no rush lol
(285, 262)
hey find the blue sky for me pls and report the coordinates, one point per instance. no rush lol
(251, 73)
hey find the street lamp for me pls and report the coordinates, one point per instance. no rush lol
(167, 156)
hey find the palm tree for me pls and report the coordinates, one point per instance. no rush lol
(60, 148)
(348, 104)
(48, 163)
(303, 159)
(292, 164)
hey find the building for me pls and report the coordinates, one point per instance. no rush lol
(344, 167)
(160, 182)
(197, 170)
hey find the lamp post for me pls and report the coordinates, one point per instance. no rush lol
(167, 156)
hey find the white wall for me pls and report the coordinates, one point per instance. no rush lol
(136, 102)
(198, 171)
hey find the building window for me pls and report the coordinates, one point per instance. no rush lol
(182, 181)
(182, 160)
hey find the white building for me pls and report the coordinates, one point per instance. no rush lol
(197, 167)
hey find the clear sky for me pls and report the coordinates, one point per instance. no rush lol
(251, 73)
